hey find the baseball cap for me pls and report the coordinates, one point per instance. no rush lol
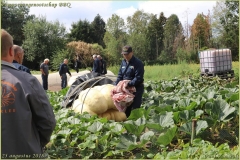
(126, 50)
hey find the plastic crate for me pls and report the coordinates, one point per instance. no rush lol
(215, 61)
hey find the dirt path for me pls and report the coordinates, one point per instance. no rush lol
(54, 80)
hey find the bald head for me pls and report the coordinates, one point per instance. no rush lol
(99, 57)
(18, 53)
(6, 46)
(65, 61)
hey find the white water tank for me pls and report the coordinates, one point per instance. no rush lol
(215, 60)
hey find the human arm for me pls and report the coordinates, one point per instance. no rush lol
(41, 69)
(138, 75)
(69, 72)
(42, 112)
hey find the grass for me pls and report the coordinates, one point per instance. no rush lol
(165, 72)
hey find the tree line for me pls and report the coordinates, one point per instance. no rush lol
(156, 39)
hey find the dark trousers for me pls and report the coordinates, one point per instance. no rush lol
(45, 81)
(64, 81)
(137, 101)
(77, 70)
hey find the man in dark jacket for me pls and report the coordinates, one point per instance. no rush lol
(18, 59)
(27, 118)
(77, 64)
(96, 65)
(63, 73)
(103, 65)
(132, 69)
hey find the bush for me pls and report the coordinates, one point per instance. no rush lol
(58, 58)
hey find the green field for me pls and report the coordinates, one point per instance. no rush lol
(163, 127)
(167, 72)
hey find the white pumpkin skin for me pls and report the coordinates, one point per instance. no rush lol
(95, 101)
(106, 92)
(81, 108)
(113, 114)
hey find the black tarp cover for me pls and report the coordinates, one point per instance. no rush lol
(70, 96)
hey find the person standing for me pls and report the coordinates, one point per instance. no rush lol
(44, 70)
(132, 69)
(96, 65)
(27, 118)
(103, 65)
(18, 59)
(63, 73)
(77, 64)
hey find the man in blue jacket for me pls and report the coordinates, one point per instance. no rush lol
(132, 69)
(18, 59)
(63, 73)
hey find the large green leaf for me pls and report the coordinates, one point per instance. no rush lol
(219, 110)
(95, 127)
(233, 97)
(201, 125)
(146, 136)
(127, 142)
(186, 115)
(116, 127)
(138, 113)
(164, 120)
(209, 93)
(166, 137)
(135, 127)
(187, 127)
(198, 113)
(154, 126)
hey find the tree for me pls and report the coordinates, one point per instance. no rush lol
(98, 27)
(115, 37)
(173, 36)
(155, 34)
(13, 20)
(137, 28)
(219, 12)
(230, 23)
(81, 31)
(200, 32)
(115, 26)
(42, 39)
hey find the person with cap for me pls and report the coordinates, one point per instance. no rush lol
(63, 73)
(18, 59)
(45, 71)
(132, 69)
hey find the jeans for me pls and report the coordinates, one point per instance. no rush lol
(137, 101)
(64, 81)
(45, 81)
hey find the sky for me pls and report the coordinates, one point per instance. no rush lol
(81, 10)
